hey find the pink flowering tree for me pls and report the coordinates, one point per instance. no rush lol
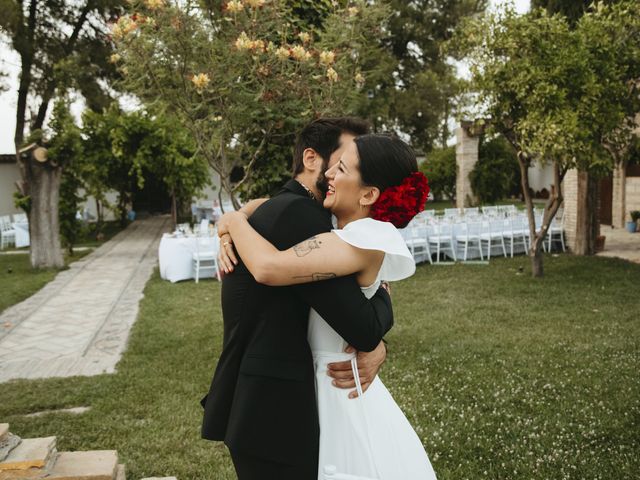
(239, 75)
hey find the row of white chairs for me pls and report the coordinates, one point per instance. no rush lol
(444, 235)
(7, 231)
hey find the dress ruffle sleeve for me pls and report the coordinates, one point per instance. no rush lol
(370, 234)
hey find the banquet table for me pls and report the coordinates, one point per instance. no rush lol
(473, 253)
(175, 256)
(22, 234)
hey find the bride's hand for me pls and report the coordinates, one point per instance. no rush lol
(368, 367)
(226, 254)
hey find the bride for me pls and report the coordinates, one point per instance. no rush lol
(373, 188)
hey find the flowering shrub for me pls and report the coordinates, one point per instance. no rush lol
(246, 65)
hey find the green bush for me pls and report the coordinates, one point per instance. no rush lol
(440, 169)
(496, 175)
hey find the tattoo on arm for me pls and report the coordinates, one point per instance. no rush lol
(316, 277)
(305, 248)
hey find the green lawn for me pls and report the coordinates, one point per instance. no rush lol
(503, 376)
(19, 281)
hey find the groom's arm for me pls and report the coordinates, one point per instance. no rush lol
(339, 301)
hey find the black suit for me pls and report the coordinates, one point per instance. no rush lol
(262, 398)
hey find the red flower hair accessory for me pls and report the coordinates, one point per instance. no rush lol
(401, 203)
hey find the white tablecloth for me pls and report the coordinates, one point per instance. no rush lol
(22, 234)
(176, 257)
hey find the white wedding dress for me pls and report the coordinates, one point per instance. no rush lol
(368, 437)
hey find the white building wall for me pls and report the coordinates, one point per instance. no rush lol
(541, 177)
(9, 174)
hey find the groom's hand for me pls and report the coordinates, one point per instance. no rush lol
(369, 364)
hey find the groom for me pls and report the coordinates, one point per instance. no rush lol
(262, 398)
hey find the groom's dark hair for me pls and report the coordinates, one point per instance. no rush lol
(323, 135)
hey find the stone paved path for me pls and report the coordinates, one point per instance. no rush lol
(78, 324)
(620, 243)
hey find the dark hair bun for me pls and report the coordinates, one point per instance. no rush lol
(388, 163)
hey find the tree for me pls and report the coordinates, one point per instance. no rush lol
(496, 175)
(65, 149)
(422, 93)
(235, 79)
(551, 93)
(60, 44)
(120, 148)
(588, 221)
(440, 168)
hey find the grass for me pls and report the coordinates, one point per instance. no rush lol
(19, 281)
(503, 376)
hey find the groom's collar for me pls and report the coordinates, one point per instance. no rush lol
(296, 187)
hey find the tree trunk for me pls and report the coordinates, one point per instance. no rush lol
(587, 221)
(174, 210)
(537, 268)
(99, 216)
(44, 223)
(534, 253)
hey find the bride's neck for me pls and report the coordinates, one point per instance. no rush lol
(344, 219)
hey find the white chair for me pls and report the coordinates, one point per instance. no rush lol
(415, 236)
(509, 232)
(520, 228)
(7, 232)
(451, 212)
(556, 229)
(205, 257)
(490, 211)
(441, 235)
(471, 211)
(470, 236)
(492, 232)
(204, 226)
(20, 218)
(429, 213)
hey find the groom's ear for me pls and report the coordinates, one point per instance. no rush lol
(311, 160)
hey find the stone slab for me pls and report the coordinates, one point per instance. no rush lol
(121, 475)
(8, 443)
(30, 453)
(92, 465)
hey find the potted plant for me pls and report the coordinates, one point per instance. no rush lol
(632, 226)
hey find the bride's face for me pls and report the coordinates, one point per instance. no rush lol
(345, 184)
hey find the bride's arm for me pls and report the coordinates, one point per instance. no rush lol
(322, 257)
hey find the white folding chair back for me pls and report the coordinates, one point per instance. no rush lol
(470, 236)
(205, 258)
(451, 212)
(7, 232)
(556, 230)
(492, 233)
(19, 217)
(490, 210)
(441, 235)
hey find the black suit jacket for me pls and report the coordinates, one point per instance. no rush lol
(262, 396)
